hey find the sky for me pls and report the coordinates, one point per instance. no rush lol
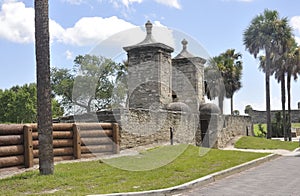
(77, 27)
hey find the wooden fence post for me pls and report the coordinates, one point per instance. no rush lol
(76, 142)
(116, 138)
(28, 147)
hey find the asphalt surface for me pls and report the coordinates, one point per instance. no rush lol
(277, 177)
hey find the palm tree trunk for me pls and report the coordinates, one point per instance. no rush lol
(221, 101)
(283, 106)
(44, 113)
(231, 104)
(268, 105)
(289, 106)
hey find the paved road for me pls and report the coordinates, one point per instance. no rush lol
(277, 177)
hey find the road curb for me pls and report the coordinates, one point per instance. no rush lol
(200, 181)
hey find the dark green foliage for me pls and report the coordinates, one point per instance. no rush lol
(223, 76)
(277, 125)
(248, 109)
(262, 131)
(236, 112)
(18, 104)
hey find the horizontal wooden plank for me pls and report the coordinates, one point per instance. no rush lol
(96, 141)
(56, 127)
(56, 143)
(11, 129)
(57, 135)
(11, 150)
(96, 133)
(56, 151)
(96, 126)
(11, 161)
(6, 140)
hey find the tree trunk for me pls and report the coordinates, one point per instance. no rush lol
(268, 106)
(289, 106)
(44, 113)
(221, 100)
(283, 106)
(231, 104)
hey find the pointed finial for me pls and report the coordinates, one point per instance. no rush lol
(184, 53)
(184, 44)
(148, 26)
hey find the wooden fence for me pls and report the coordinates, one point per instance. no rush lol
(19, 143)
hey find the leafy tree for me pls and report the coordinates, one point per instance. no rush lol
(44, 109)
(18, 105)
(248, 109)
(268, 33)
(90, 85)
(236, 113)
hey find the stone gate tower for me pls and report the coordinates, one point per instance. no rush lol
(188, 77)
(149, 72)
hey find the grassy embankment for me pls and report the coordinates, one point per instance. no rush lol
(97, 177)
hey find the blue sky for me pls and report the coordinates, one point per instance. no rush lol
(77, 26)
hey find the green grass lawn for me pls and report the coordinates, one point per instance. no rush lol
(96, 177)
(263, 143)
(296, 125)
(257, 131)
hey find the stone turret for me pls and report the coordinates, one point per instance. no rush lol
(149, 72)
(188, 77)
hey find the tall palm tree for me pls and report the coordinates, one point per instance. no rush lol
(232, 73)
(269, 33)
(292, 70)
(44, 113)
(214, 82)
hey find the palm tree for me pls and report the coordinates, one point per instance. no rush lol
(232, 73)
(268, 33)
(292, 69)
(44, 113)
(214, 83)
(223, 76)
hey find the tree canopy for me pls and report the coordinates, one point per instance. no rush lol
(268, 33)
(90, 85)
(223, 76)
(18, 105)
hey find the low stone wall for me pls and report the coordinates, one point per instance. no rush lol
(233, 126)
(142, 127)
(261, 116)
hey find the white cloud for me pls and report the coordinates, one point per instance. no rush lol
(170, 3)
(16, 22)
(127, 3)
(69, 55)
(17, 25)
(90, 30)
(295, 23)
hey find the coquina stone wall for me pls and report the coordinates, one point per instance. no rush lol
(233, 126)
(142, 127)
(261, 116)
